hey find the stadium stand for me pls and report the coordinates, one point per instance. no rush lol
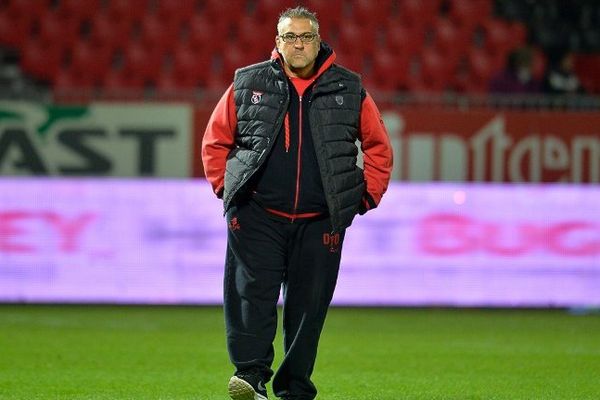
(398, 45)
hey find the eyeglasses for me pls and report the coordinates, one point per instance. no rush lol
(304, 37)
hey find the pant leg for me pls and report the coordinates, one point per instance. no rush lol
(310, 282)
(254, 271)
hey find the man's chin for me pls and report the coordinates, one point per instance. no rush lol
(299, 63)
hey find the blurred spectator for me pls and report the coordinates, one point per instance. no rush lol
(560, 77)
(517, 77)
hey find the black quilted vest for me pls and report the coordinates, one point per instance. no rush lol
(261, 96)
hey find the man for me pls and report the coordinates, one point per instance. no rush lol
(517, 76)
(560, 76)
(280, 150)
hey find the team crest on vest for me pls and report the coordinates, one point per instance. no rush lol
(339, 100)
(256, 97)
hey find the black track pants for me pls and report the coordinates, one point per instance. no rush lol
(263, 255)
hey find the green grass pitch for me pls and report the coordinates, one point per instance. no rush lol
(107, 352)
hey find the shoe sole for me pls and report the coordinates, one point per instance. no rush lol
(239, 389)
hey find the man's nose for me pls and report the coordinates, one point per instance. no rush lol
(298, 43)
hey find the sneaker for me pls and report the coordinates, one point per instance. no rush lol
(247, 387)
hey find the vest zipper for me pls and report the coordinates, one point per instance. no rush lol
(299, 162)
(287, 132)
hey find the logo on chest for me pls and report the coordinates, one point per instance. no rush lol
(339, 100)
(256, 97)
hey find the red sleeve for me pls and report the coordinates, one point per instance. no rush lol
(218, 140)
(377, 154)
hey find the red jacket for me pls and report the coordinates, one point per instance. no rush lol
(222, 126)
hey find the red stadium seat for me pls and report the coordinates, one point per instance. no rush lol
(169, 81)
(404, 40)
(352, 60)
(417, 84)
(498, 37)
(468, 13)
(57, 30)
(370, 13)
(267, 11)
(15, 28)
(450, 39)
(65, 79)
(32, 9)
(355, 38)
(90, 61)
(78, 9)
(177, 11)
(225, 12)
(464, 83)
(191, 68)
(108, 32)
(118, 80)
(587, 67)
(518, 32)
(70, 78)
(41, 59)
(128, 10)
(204, 34)
(436, 71)
(328, 13)
(481, 65)
(157, 33)
(146, 63)
(188, 71)
(258, 38)
(218, 83)
(233, 57)
(390, 71)
(418, 12)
